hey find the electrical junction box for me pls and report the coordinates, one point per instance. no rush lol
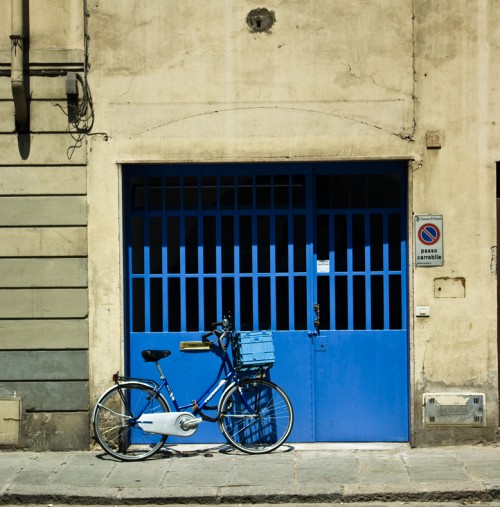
(454, 409)
(71, 84)
(434, 140)
(10, 421)
(422, 311)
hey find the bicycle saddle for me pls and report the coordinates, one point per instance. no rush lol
(154, 355)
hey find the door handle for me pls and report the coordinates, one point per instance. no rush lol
(313, 334)
(317, 312)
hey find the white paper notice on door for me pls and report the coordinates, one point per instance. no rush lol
(323, 266)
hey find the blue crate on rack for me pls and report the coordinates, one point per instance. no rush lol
(253, 350)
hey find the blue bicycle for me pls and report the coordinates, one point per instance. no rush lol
(132, 420)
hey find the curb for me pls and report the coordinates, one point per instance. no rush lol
(41, 495)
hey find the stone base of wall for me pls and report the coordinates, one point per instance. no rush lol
(55, 431)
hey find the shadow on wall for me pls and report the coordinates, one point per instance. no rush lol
(24, 145)
(20, 73)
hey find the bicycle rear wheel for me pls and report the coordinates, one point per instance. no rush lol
(115, 417)
(257, 417)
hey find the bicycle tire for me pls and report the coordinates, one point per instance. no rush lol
(114, 419)
(266, 426)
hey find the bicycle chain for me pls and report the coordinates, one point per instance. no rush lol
(207, 418)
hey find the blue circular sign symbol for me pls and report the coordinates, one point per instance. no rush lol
(429, 234)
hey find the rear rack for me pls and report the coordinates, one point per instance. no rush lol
(117, 379)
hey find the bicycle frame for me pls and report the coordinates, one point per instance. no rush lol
(226, 377)
(201, 402)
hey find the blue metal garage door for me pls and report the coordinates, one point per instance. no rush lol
(315, 252)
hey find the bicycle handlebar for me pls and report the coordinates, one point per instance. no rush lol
(225, 332)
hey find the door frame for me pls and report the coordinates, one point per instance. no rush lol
(408, 265)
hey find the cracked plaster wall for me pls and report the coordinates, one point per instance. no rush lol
(330, 81)
(455, 349)
(343, 80)
(188, 81)
(194, 71)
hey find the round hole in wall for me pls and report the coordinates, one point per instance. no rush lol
(260, 20)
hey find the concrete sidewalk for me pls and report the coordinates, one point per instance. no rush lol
(292, 474)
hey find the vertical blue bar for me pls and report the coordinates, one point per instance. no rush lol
(272, 267)
(255, 265)
(147, 275)
(127, 192)
(368, 278)
(331, 246)
(311, 266)
(350, 288)
(129, 221)
(218, 266)
(237, 281)
(237, 278)
(291, 283)
(164, 266)
(255, 277)
(272, 254)
(221, 311)
(291, 277)
(201, 279)
(404, 259)
(385, 256)
(182, 258)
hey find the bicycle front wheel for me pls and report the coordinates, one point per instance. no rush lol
(115, 421)
(256, 417)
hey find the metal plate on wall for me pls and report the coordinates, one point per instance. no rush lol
(454, 408)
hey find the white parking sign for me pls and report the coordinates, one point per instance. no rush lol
(429, 240)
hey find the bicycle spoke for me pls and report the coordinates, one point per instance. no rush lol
(113, 412)
(257, 417)
(115, 421)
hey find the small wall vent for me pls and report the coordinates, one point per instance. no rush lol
(454, 409)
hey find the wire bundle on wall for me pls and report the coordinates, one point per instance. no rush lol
(80, 114)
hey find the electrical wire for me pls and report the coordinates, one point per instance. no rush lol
(81, 115)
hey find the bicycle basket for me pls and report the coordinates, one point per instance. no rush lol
(253, 350)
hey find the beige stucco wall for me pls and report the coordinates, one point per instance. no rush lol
(345, 80)
(332, 81)
(43, 239)
(189, 82)
(455, 349)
